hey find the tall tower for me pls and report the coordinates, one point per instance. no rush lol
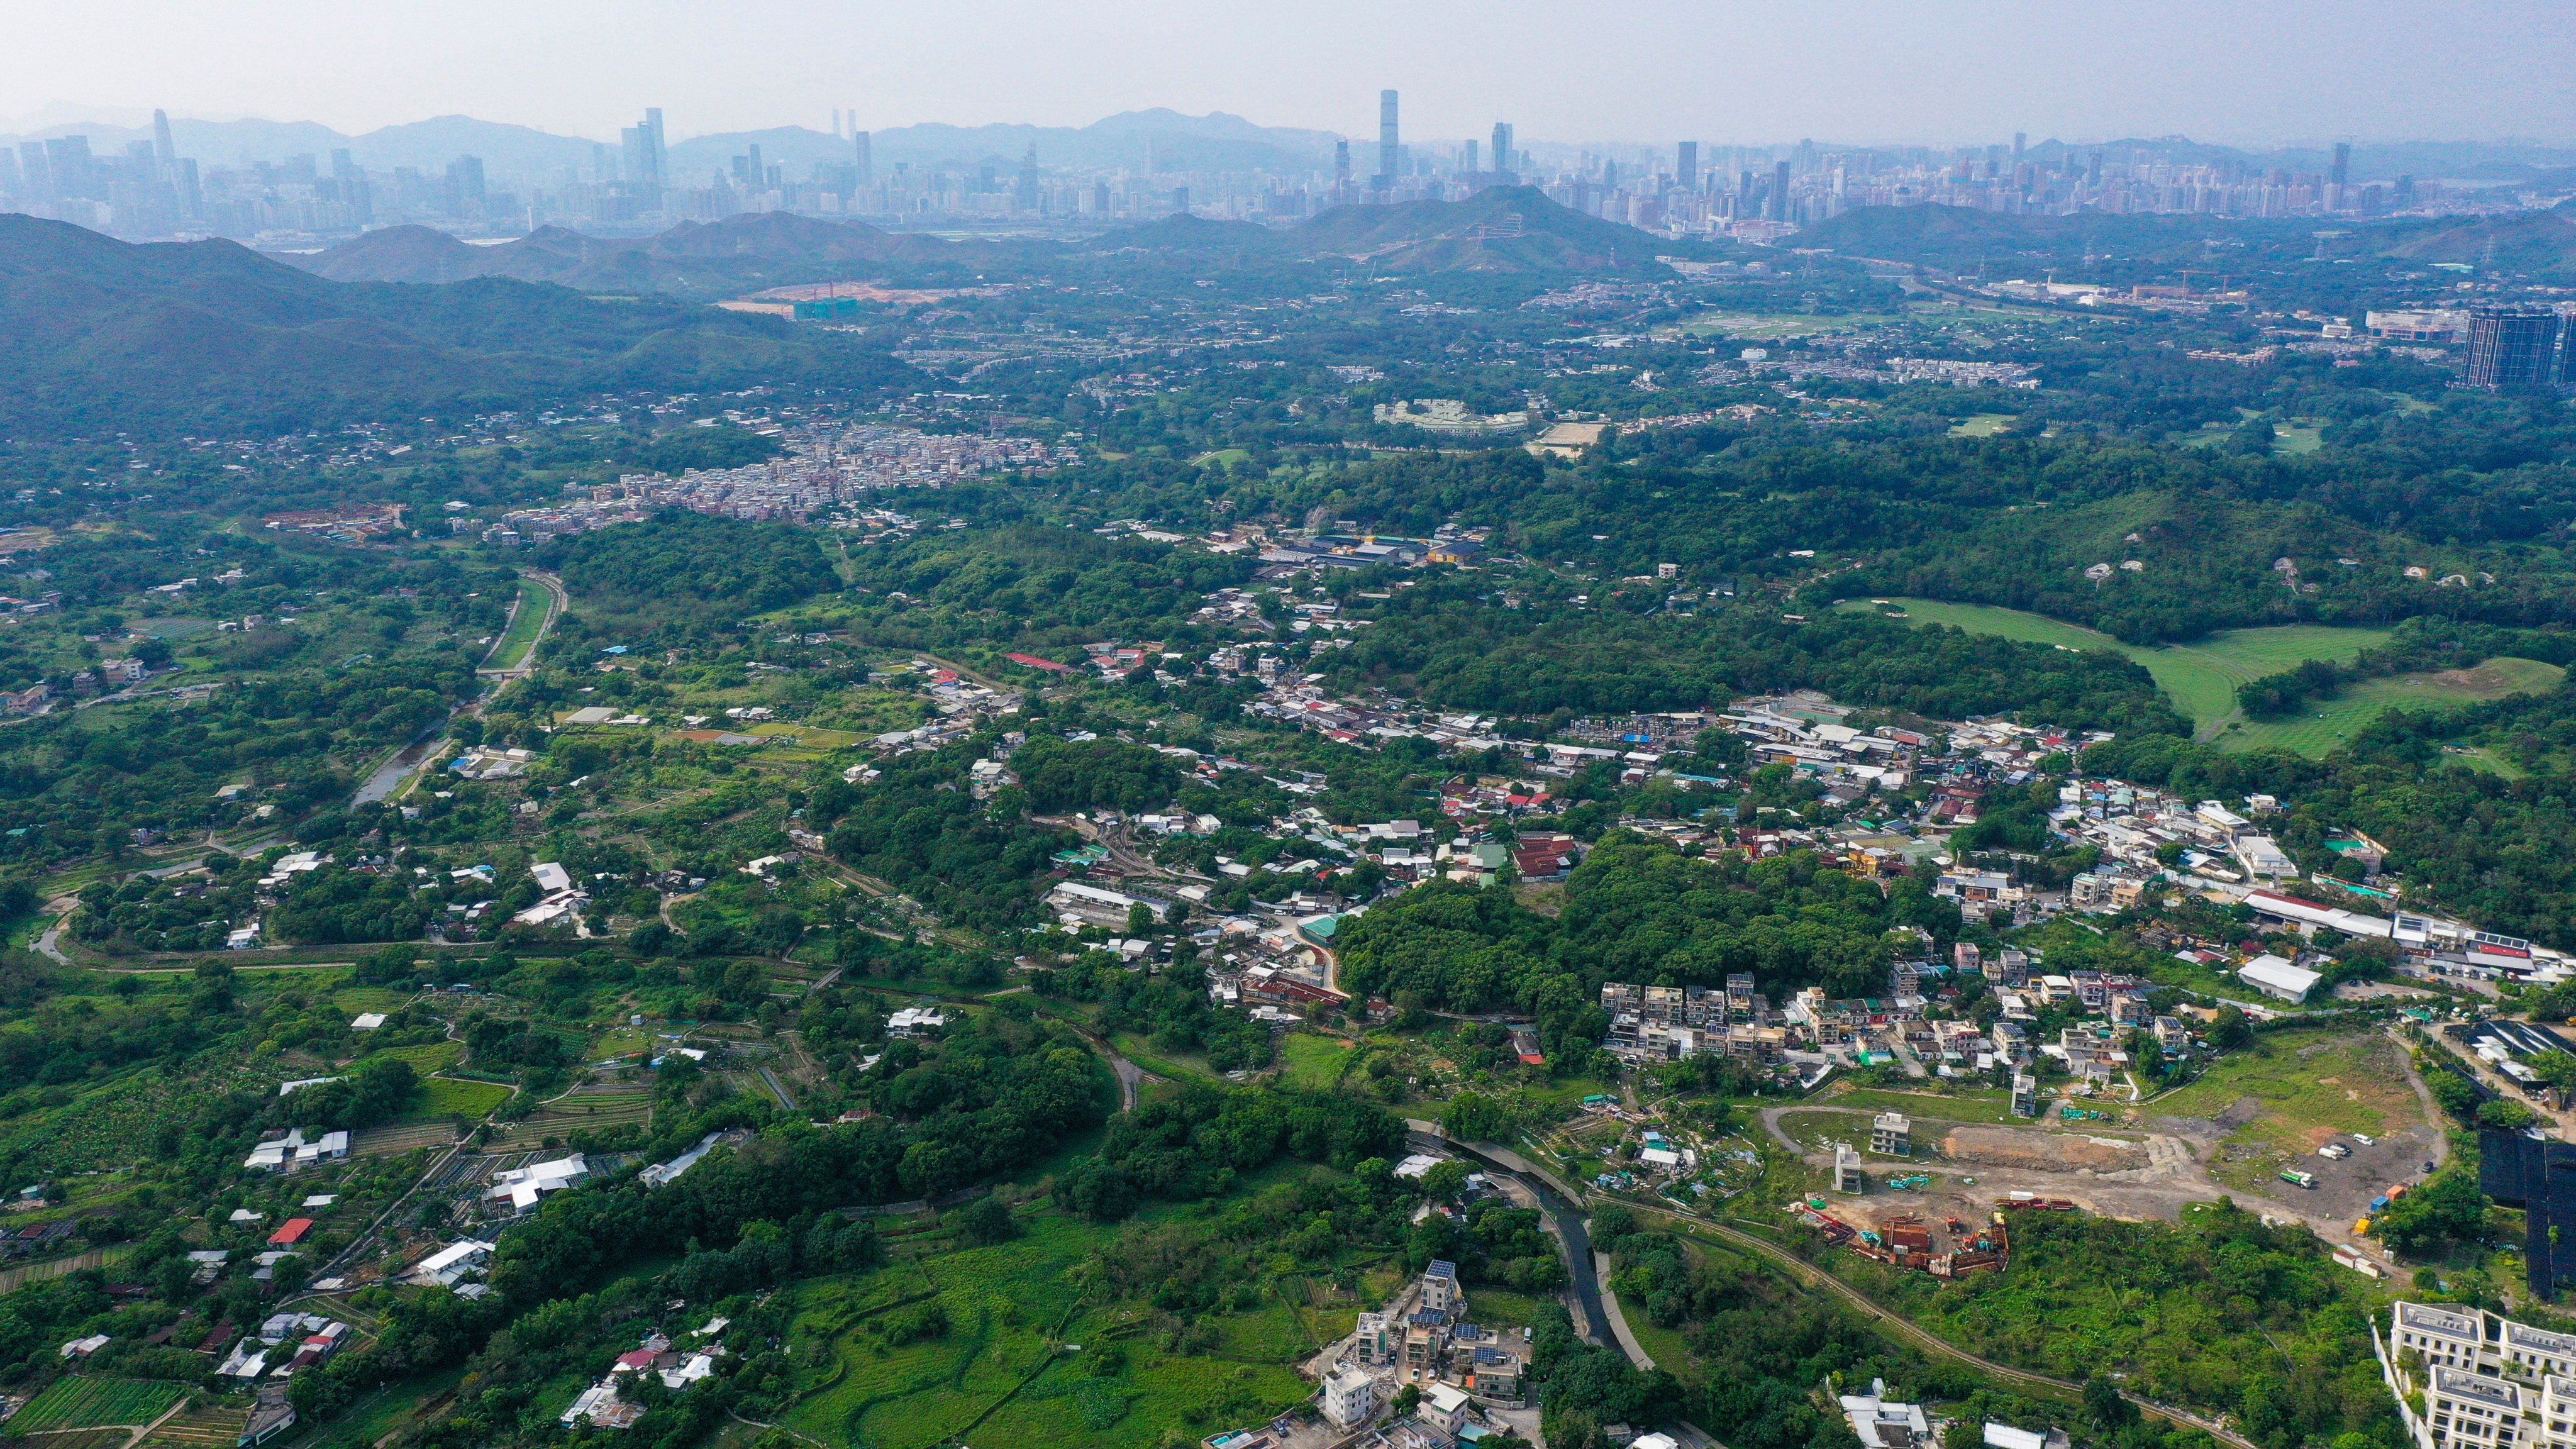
(867, 167)
(1505, 161)
(1780, 192)
(2338, 176)
(164, 151)
(1386, 140)
(1341, 170)
(1686, 166)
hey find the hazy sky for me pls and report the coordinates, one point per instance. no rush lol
(2245, 71)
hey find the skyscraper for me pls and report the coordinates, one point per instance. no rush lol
(867, 167)
(164, 151)
(2512, 348)
(1469, 161)
(1027, 195)
(1386, 140)
(1341, 170)
(2340, 172)
(1780, 192)
(1506, 164)
(465, 186)
(642, 147)
(1686, 166)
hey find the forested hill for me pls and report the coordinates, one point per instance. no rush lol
(98, 335)
(1507, 229)
(699, 259)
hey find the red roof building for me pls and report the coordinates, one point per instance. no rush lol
(290, 1232)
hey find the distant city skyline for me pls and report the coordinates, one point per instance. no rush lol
(2263, 73)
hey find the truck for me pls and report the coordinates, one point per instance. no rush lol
(2335, 1150)
(2379, 1204)
(2302, 1179)
(2361, 1229)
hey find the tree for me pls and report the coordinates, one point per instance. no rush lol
(2103, 1403)
(2505, 1113)
(1443, 1181)
(987, 1220)
(2231, 1030)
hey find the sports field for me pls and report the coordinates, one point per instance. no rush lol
(2200, 677)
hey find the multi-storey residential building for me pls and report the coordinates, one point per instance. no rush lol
(2487, 1382)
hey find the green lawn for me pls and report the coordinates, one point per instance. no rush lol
(513, 645)
(1982, 425)
(2317, 731)
(2296, 437)
(2199, 677)
(1313, 1063)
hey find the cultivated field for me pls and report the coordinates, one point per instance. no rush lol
(76, 1402)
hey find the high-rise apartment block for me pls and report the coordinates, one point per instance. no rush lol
(2513, 348)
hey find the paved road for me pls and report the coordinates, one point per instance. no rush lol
(387, 777)
(556, 599)
(1563, 1215)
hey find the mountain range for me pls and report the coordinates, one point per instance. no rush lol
(1503, 230)
(1165, 139)
(99, 336)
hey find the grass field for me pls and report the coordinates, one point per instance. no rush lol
(445, 1097)
(513, 645)
(1982, 1107)
(1312, 1063)
(2298, 437)
(1818, 1131)
(2200, 678)
(355, 999)
(1982, 425)
(2305, 1086)
(429, 1056)
(2319, 730)
(207, 1423)
(74, 1403)
(1759, 326)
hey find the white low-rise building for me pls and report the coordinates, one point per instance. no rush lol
(443, 1268)
(1350, 1396)
(523, 1186)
